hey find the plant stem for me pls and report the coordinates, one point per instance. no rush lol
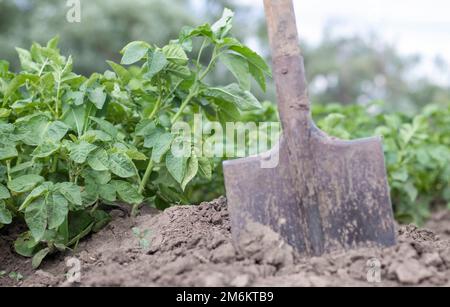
(8, 169)
(156, 108)
(54, 165)
(147, 174)
(57, 97)
(211, 64)
(143, 184)
(43, 67)
(200, 53)
(183, 106)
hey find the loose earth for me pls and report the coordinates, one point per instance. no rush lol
(191, 246)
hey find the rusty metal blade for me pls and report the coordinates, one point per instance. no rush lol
(348, 204)
(322, 194)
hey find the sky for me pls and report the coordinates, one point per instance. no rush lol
(413, 26)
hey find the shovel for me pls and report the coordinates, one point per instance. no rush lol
(318, 193)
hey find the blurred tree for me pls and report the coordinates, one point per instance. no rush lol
(340, 69)
(363, 69)
(355, 69)
(105, 27)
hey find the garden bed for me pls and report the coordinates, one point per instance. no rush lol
(191, 246)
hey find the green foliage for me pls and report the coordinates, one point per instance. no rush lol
(417, 150)
(71, 145)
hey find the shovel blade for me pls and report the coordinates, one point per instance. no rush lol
(347, 204)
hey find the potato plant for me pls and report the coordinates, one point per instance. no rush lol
(417, 151)
(70, 146)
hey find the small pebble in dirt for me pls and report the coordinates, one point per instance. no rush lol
(213, 279)
(223, 253)
(411, 272)
(445, 255)
(432, 259)
(216, 219)
(46, 278)
(241, 281)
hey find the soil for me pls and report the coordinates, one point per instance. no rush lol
(191, 246)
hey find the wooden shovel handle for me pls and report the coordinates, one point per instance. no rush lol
(288, 67)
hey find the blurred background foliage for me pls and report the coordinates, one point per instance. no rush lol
(340, 69)
(359, 84)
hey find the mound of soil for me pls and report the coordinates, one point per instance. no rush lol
(191, 246)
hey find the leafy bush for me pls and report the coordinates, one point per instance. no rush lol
(417, 150)
(70, 145)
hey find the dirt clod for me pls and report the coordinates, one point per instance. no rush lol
(191, 246)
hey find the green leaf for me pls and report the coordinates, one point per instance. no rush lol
(400, 175)
(18, 82)
(46, 149)
(5, 214)
(97, 177)
(4, 113)
(33, 129)
(4, 193)
(80, 152)
(238, 67)
(258, 75)
(57, 131)
(101, 220)
(253, 58)
(93, 136)
(176, 166)
(53, 43)
(39, 257)
(98, 97)
(107, 192)
(162, 146)
(223, 26)
(121, 72)
(99, 160)
(37, 192)
(134, 52)
(36, 218)
(244, 100)
(26, 60)
(75, 118)
(57, 210)
(4, 68)
(228, 110)
(122, 166)
(205, 167)
(25, 245)
(156, 62)
(174, 53)
(127, 192)
(136, 155)
(152, 136)
(71, 192)
(411, 190)
(189, 32)
(8, 152)
(25, 183)
(145, 127)
(77, 97)
(106, 127)
(180, 71)
(191, 172)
